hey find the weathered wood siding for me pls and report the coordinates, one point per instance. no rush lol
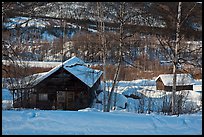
(76, 94)
(160, 86)
(179, 88)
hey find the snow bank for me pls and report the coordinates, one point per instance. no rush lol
(7, 104)
(6, 94)
(45, 122)
(7, 99)
(118, 100)
(128, 91)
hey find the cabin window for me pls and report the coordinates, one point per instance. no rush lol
(43, 97)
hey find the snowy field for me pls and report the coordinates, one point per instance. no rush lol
(124, 120)
(35, 63)
(93, 121)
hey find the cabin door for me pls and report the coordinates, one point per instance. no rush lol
(70, 100)
(60, 100)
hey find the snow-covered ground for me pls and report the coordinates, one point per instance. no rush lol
(125, 119)
(92, 122)
(36, 63)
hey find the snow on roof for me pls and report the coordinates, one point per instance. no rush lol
(76, 67)
(87, 75)
(181, 79)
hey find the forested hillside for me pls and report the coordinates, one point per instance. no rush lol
(142, 33)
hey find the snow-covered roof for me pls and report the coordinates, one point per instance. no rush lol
(76, 67)
(181, 79)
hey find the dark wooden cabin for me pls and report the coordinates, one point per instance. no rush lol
(69, 86)
(165, 82)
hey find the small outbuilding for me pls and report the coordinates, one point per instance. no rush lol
(183, 82)
(69, 86)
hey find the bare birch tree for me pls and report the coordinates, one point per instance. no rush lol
(175, 62)
(101, 25)
(176, 49)
(121, 41)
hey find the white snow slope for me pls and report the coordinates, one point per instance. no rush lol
(92, 122)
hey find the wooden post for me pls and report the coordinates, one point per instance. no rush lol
(36, 101)
(13, 96)
(21, 98)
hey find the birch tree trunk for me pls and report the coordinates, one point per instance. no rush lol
(121, 40)
(175, 61)
(103, 43)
